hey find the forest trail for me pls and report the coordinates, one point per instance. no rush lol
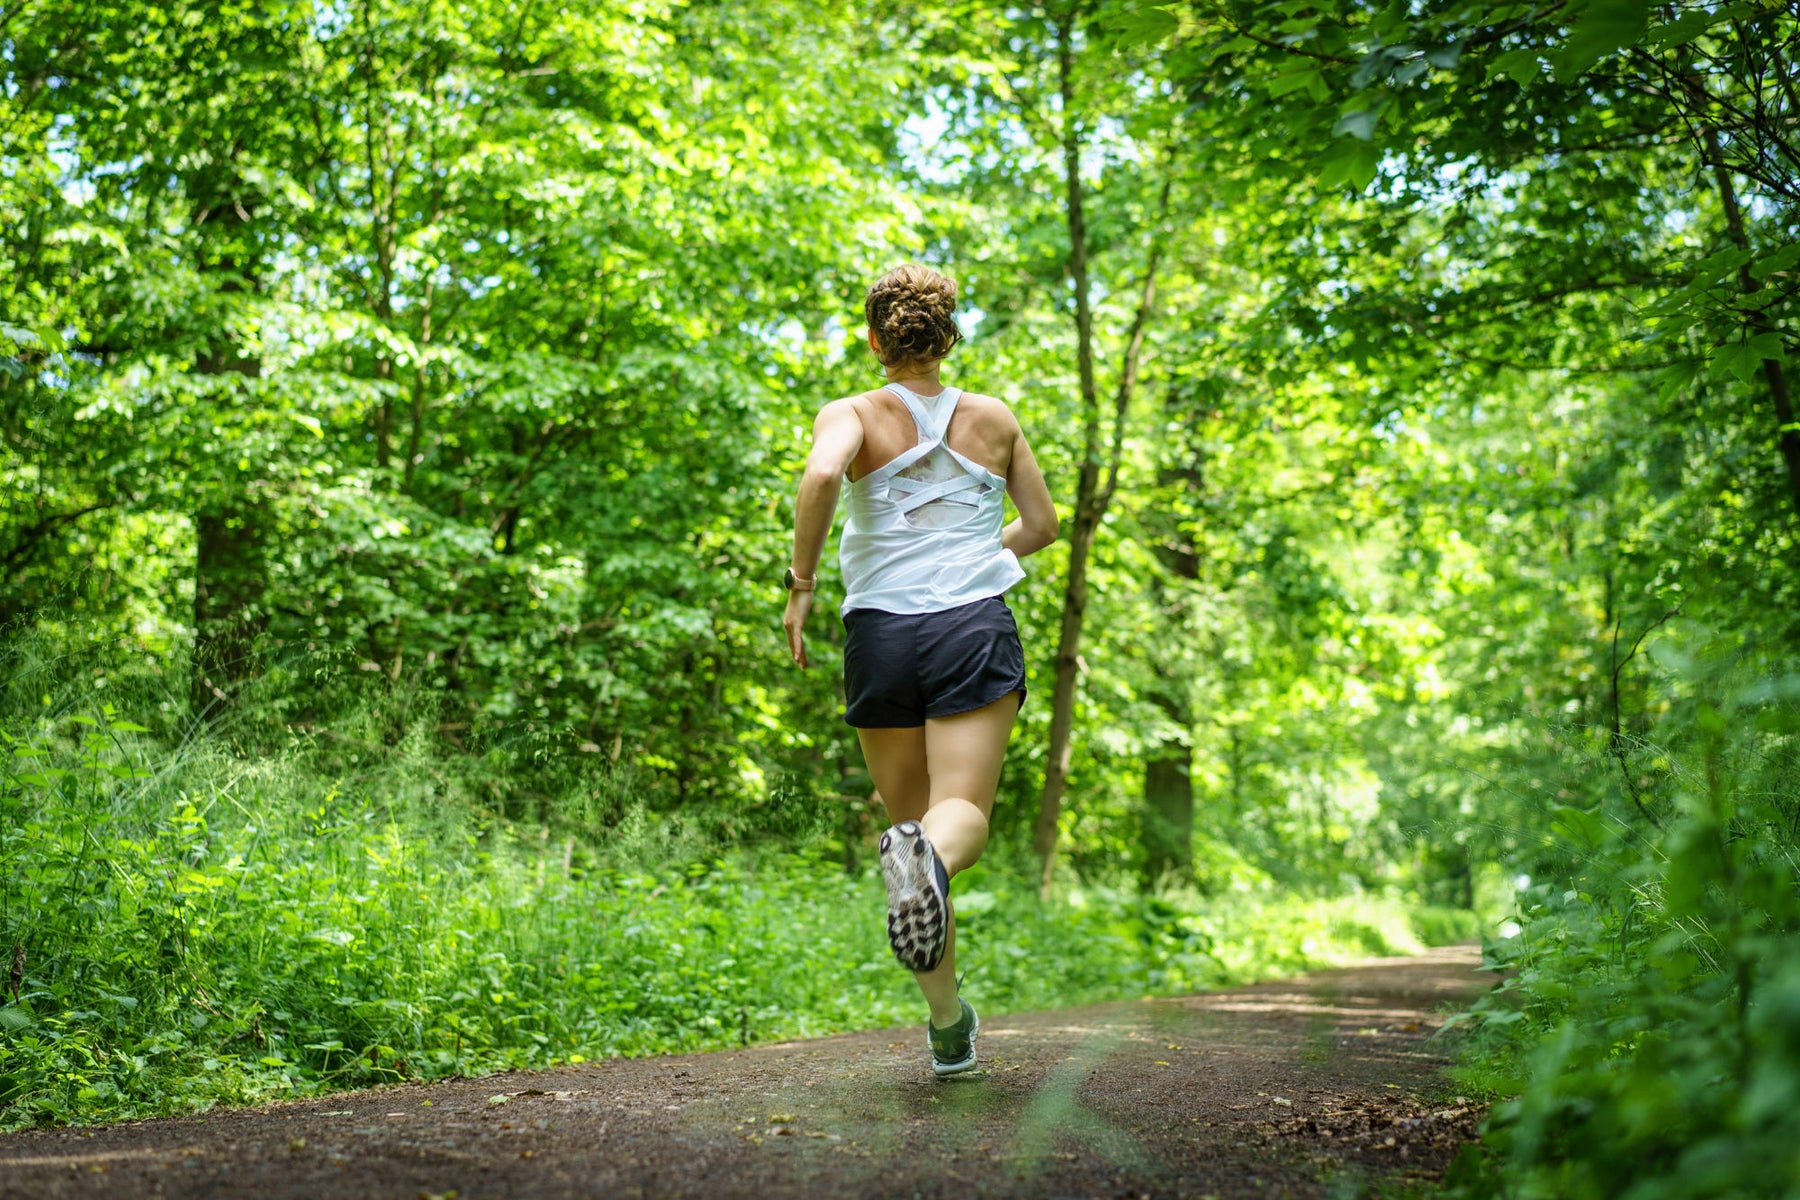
(1302, 1087)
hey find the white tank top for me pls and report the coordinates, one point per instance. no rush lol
(924, 529)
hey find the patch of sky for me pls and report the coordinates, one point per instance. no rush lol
(924, 144)
(330, 20)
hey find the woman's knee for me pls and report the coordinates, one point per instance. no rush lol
(959, 830)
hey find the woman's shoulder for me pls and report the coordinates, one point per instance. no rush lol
(987, 408)
(860, 401)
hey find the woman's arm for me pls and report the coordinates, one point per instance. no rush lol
(1035, 526)
(837, 436)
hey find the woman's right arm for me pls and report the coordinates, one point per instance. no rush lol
(1035, 526)
(837, 436)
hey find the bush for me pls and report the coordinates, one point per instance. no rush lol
(195, 925)
(1646, 1036)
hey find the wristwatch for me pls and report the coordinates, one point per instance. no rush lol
(794, 583)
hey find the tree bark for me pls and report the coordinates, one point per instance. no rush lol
(1786, 431)
(1087, 487)
(1092, 495)
(1166, 819)
(1168, 813)
(229, 528)
(417, 437)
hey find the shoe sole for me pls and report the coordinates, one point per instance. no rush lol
(918, 919)
(957, 1068)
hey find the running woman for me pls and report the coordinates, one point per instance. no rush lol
(933, 671)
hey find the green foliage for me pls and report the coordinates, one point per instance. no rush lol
(196, 927)
(1645, 1037)
(399, 407)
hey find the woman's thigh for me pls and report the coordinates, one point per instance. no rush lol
(964, 753)
(896, 760)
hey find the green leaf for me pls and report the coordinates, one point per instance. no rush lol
(1520, 66)
(1778, 260)
(1675, 379)
(1350, 163)
(1768, 346)
(1444, 58)
(1359, 124)
(1683, 29)
(1147, 26)
(1604, 27)
(1585, 828)
(1736, 359)
(1305, 76)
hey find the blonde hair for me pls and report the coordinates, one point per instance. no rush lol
(911, 311)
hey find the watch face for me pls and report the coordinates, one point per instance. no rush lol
(787, 579)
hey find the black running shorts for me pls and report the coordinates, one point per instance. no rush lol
(900, 668)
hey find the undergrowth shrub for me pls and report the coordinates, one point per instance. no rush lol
(196, 917)
(1645, 1039)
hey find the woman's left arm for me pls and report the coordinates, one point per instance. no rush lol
(1036, 525)
(837, 436)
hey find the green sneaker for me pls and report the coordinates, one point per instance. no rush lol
(953, 1047)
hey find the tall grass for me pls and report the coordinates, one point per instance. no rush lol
(196, 918)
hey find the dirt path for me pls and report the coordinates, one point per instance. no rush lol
(1299, 1088)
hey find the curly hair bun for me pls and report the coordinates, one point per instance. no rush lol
(912, 311)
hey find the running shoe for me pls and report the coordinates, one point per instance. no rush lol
(953, 1049)
(918, 890)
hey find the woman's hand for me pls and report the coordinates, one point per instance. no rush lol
(794, 621)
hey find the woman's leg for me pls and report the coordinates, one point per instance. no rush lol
(963, 754)
(896, 761)
(963, 757)
(944, 776)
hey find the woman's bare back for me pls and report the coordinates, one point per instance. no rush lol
(982, 429)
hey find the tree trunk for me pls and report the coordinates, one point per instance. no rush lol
(229, 528)
(1168, 813)
(1166, 819)
(1787, 432)
(1087, 489)
(228, 588)
(1092, 494)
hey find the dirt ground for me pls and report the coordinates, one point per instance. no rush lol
(1322, 1086)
